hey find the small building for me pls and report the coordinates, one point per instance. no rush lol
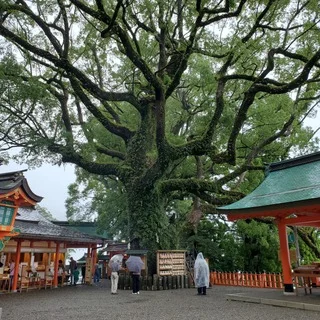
(290, 194)
(41, 244)
(14, 193)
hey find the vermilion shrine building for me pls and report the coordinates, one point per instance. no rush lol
(290, 193)
(32, 241)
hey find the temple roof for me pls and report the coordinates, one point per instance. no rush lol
(116, 247)
(85, 227)
(290, 186)
(33, 225)
(11, 181)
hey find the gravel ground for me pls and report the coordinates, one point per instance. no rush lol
(89, 302)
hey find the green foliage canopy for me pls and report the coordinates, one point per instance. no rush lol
(173, 99)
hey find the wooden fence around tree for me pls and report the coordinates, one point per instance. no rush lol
(246, 279)
(241, 279)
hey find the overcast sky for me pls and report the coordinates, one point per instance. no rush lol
(49, 182)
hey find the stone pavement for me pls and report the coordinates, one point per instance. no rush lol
(96, 302)
(276, 297)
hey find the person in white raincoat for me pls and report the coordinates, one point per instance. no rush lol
(201, 274)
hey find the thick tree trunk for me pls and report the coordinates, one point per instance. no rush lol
(146, 223)
(146, 219)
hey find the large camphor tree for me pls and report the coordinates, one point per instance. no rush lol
(162, 99)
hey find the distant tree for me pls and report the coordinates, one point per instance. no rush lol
(98, 198)
(258, 246)
(309, 244)
(45, 212)
(173, 99)
(218, 242)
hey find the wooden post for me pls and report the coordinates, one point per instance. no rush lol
(223, 278)
(186, 281)
(256, 283)
(232, 282)
(269, 281)
(212, 277)
(241, 278)
(160, 283)
(55, 271)
(16, 268)
(165, 282)
(280, 282)
(174, 282)
(178, 282)
(94, 259)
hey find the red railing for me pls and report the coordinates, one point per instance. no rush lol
(245, 279)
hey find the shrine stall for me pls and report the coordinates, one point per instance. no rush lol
(289, 194)
(14, 193)
(39, 247)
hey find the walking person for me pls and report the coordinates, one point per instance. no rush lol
(135, 264)
(115, 265)
(201, 274)
(96, 275)
(83, 274)
(61, 272)
(11, 270)
(72, 267)
(76, 274)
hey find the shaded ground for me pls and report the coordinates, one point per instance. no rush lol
(88, 302)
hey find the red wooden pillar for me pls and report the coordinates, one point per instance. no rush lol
(250, 279)
(279, 281)
(94, 259)
(235, 278)
(263, 284)
(228, 278)
(247, 279)
(213, 277)
(256, 280)
(14, 283)
(232, 278)
(55, 272)
(241, 279)
(223, 278)
(285, 258)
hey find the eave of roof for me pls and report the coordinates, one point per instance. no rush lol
(89, 228)
(33, 225)
(11, 181)
(116, 247)
(289, 184)
(141, 252)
